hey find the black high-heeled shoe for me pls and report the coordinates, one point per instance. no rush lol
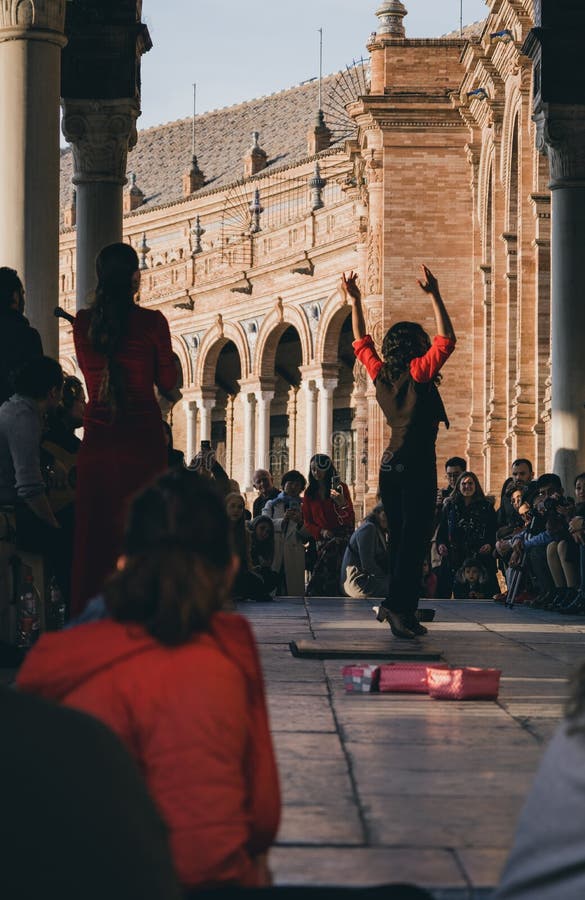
(397, 622)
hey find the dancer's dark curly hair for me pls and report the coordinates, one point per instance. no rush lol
(402, 343)
(115, 266)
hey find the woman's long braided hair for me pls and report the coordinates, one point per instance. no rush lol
(402, 343)
(116, 267)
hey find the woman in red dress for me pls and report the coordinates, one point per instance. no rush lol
(123, 351)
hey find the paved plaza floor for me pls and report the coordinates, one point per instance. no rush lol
(385, 788)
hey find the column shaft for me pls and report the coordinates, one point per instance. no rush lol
(205, 420)
(310, 420)
(248, 401)
(264, 399)
(568, 328)
(190, 407)
(29, 179)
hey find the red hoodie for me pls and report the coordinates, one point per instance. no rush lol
(194, 718)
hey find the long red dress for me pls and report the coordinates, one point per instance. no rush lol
(120, 455)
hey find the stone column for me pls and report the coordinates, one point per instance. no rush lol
(310, 398)
(248, 401)
(264, 399)
(561, 132)
(101, 134)
(30, 65)
(326, 389)
(205, 404)
(190, 407)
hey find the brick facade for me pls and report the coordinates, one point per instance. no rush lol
(432, 172)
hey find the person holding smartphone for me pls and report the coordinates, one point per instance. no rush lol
(329, 518)
(406, 378)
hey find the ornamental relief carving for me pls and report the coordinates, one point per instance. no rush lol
(48, 14)
(560, 134)
(373, 279)
(101, 134)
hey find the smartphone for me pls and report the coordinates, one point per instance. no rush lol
(336, 482)
(205, 445)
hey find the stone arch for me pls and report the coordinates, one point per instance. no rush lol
(485, 191)
(211, 346)
(69, 366)
(333, 316)
(273, 327)
(510, 142)
(182, 357)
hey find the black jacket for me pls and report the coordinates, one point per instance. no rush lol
(77, 821)
(19, 343)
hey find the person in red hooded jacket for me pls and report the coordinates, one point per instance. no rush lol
(180, 682)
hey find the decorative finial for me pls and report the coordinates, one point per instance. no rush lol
(391, 13)
(144, 251)
(255, 140)
(317, 183)
(197, 232)
(256, 209)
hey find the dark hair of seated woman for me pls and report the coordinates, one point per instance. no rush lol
(178, 559)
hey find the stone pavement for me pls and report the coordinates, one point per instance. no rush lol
(386, 788)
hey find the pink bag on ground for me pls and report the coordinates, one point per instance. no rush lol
(360, 679)
(466, 683)
(405, 677)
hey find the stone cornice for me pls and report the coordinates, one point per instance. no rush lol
(560, 133)
(101, 134)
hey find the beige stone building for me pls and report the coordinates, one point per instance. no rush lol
(245, 218)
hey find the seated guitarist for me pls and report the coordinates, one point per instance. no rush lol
(59, 450)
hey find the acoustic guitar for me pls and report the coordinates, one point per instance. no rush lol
(60, 497)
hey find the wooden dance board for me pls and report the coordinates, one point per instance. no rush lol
(356, 649)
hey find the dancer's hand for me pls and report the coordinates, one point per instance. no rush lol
(349, 285)
(430, 285)
(443, 550)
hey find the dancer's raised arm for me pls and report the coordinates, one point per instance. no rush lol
(430, 285)
(350, 288)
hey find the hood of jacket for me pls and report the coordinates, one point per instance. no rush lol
(62, 661)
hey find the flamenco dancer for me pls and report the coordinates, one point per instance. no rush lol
(406, 380)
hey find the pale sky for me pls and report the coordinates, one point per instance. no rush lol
(241, 49)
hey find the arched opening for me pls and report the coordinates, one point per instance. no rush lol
(344, 408)
(228, 372)
(283, 412)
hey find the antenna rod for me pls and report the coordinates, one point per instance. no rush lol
(320, 67)
(461, 19)
(194, 114)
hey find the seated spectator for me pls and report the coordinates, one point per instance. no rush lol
(262, 551)
(471, 581)
(428, 588)
(364, 570)
(247, 584)
(79, 809)
(468, 528)
(290, 536)
(262, 481)
(577, 533)
(180, 682)
(549, 499)
(522, 476)
(329, 518)
(546, 861)
(19, 343)
(176, 458)
(454, 467)
(59, 449)
(38, 390)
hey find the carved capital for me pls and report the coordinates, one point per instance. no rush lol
(26, 18)
(101, 134)
(560, 134)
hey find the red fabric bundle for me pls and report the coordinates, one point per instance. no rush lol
(405, 677)
(360, 679)
(466, 683)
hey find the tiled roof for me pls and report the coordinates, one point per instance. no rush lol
(163, 153)
(469, 31)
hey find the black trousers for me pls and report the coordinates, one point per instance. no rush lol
(408, 490)
(55, 544)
